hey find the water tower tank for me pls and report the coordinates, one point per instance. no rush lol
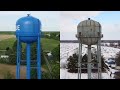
(89, 31)
(28, 28)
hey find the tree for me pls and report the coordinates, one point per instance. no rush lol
(117, 59)
(58, 36)
(12, 59)
(85, 58)
(106, 44)
(56, 71)
(56, 53)
(8, 51)
(14, 47)
(34, 51)
(53, 35)
(72, 64)
(103, 65)
(111, 44)
(94, 57)
(33, 73)
(119, 44)
(12, 53)
(42, 56)
(7, 48)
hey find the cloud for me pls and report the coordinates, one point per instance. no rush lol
(13, 13)
(67, 36)
(111, 31)
(23, 12)
(70, 19)
(107, 28)
(49, 19)
(79, 14)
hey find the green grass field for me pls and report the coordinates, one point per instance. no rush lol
(47, 44)
(13, 32)
(47, 32)
(6, 43)
(7, 32)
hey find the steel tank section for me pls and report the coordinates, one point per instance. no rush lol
(28, 28)
(89, 31)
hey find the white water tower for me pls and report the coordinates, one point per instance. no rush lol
(89, 33)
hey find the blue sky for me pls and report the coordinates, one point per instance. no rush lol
(49, 19)
(110, 21)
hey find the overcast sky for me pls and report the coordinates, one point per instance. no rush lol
(49, 19)
(66, 21)
(109, 20)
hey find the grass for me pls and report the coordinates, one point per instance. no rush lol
(6, 43)
(49, 44)
(48, 32)
(3, 37)
(7, 32)
(13, 32)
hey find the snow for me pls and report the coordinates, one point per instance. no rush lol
(113, 70)
(67, 49)
(66, 75)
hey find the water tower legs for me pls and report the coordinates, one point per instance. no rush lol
(89, 62)
(28, 61)
(38, 59)
(18, 59)
(99, 58)
(79, 60)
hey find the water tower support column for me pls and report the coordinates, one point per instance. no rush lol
(38, 59)
(89, 62)
(18, 58)
(99, 58)
(79, 60)
(28, 61)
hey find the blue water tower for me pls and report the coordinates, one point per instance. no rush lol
(28, 30)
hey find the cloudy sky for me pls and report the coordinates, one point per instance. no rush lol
(66, 21)
(110, 21)
(49, 19)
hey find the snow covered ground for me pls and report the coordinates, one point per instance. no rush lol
(66, 75)
(67, 49)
